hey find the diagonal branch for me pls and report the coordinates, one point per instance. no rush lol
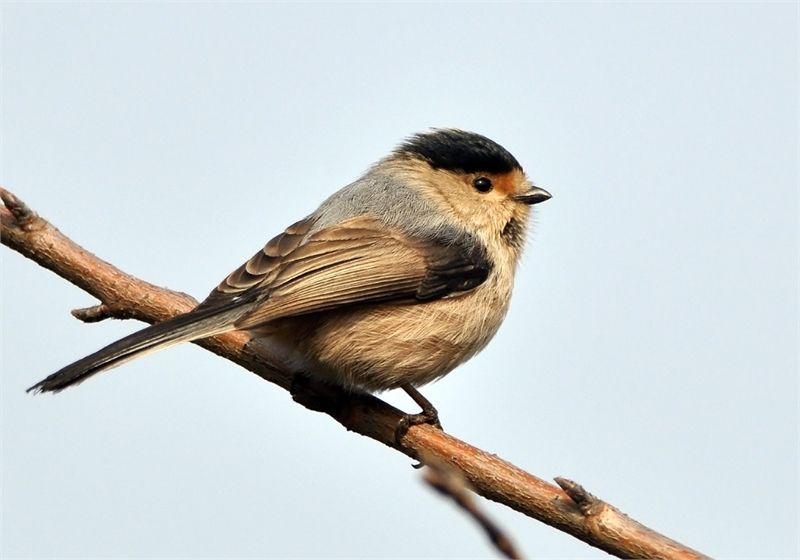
(572, 510)
(449, 482)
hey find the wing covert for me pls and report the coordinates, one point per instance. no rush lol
(261, 265)
(358, 261)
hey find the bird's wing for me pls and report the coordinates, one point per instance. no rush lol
(299, 272)
(355, 262)
(258, 267)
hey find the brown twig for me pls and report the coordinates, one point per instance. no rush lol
(449, 482)
(589, 505)
(23, 216)
(490, 476)
(93, 314)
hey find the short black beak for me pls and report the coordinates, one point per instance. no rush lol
(534, 196)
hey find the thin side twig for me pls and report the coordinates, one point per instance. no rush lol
(449, 482)
(32, 236)
(23, 216)
(93, 314)
(589, 504)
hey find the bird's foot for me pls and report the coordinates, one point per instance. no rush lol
(429, 415)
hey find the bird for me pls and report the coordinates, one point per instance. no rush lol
(394, 281)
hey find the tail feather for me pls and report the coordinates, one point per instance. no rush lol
(183, 328)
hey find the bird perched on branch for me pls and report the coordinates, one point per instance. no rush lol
(392, 282)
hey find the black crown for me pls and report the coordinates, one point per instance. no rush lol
(458, 150)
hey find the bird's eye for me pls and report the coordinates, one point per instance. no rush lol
(482, 184)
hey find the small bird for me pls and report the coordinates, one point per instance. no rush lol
(392, 282)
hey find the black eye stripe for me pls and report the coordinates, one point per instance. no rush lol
(482, 184)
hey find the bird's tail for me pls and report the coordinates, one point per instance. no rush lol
(193, 325)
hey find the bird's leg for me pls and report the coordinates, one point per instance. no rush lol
(429, 414)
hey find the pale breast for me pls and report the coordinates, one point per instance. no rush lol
(381, 347)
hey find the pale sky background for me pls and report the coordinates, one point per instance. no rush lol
(651, 351)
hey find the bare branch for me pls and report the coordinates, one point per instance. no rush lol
(93, 314)
(23, 216)
(449, 482)
(588, 504)
(490, 476)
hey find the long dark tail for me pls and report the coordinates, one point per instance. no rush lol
(199, 323)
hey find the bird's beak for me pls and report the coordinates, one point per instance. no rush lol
(533, 196)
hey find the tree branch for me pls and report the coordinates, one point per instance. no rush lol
(572, 510)
(449, 482)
